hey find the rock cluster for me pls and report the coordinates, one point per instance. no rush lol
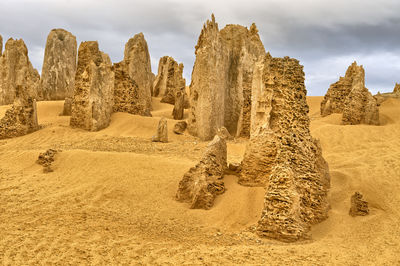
(21, 119)
(59, 66)
(220, 91)
(282, 155)
(350, 97)
(162, 131)
(202, 183)
(138, 66)
(359, 207)
(126, 93)
(169, 80)
(45, 159)
(93, 98)
(17, 70)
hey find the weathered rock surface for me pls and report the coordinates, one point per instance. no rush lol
(282, 155)
(17, 70)
(220, 91)
(21, 119)
(93, 98)
(169, 80)
(396, 89)
(350, 97)
(162, 131)
(202, 183)
(359, 207)
(1, 45)
(179, 105)
(59, 66)
(138, 66)
(224, 133)
(126, 93)
(180, 127)
(46, 159)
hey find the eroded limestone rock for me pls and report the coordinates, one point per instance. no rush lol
(359, 207)
(169, 80)
(21, 119)
(93, 98)
(17, 70)
(179, 104)
(46, 159)
(396, 89)
(350, 97)
(59, 67)
(180, 127)
(138, 67)
(1, 45)
(126, 93)
(162, 131)
(202, 183)
(282, 155)
(220, 91)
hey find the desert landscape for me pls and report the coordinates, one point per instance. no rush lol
(107, 163)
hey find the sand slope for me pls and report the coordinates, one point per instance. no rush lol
(110, 199)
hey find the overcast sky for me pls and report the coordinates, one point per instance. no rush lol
(326, 36)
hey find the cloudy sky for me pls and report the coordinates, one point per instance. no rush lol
(326, 36)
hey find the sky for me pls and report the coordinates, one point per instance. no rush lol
(326, 36)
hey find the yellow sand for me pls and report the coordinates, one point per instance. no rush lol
(110, 199)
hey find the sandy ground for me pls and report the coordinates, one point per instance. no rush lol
(110, 199)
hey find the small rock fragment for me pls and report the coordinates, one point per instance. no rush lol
(359, 207)
(180, 127)
(162, 132)
(45, 159)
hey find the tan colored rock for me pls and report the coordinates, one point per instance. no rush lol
(59, 66)
(179, 104)
(220, 91)
(180, 127)
(137, 61)
(93, 98)
(224, 133)
(282, 155)
(17, 70)
(359, 207)
(169, 80)
(126, 93)
(396, 89)
(1, 45)
(46, 159)
(162, 131)
(21, 119)
(350, 97)
(202, 183)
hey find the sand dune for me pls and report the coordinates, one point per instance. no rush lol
(110, 199)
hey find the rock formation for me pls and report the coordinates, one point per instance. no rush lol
(202, 183)
(396, 89)
(179, 105)
(220, 91)
(59, 66)
(359, 207)
(93, 98)
(224, 133)
(350, 97)
(21, 119)
(138, 67)
(17, 70)
(1, 45)
(282, 155)
(162, 131)
(126, 93)
(46, 159)
(180, 127)
(169, 80)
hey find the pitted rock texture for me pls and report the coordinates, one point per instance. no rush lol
(282, 155)
(220, 91)
(21, 119)
(126, 93)
(180, 127)
(359, 207)
(350, 97)
(17, 70)
(138, 66)
(201, 184)
(46, 159)
(162, 131)
(59, 65)
(93, 98)
(169, 80)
